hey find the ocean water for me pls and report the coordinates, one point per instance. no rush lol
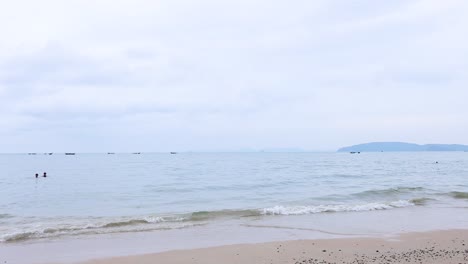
(93, 194)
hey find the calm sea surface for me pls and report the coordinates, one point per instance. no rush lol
(100, 193)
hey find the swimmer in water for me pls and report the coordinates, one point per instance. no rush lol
(45, 175)
(37, 175)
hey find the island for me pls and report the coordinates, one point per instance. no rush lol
(402, 146)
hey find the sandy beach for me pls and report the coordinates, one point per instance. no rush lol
(449, 246)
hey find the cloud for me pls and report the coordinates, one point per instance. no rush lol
(230, 74)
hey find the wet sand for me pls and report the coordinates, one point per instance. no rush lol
(450, 246)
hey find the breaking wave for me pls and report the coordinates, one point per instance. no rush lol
(153, 223)
(371, 200)
(301, 210)
(459, 195)
(207, 215)
(421, 201)
(117, 226)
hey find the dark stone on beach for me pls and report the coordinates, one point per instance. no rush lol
(411, 256)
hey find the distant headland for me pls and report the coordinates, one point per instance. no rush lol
(402, 146)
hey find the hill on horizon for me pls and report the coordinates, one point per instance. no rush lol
(402, 146)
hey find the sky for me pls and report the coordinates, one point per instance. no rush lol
(206, 75)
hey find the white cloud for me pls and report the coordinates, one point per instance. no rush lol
(230, 74)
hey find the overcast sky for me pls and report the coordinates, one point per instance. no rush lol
(108, 75)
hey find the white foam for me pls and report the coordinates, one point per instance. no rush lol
(301, 210)
(124, 224)
(153, 219)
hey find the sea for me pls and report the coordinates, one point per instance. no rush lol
(206, 199)
(98, 194)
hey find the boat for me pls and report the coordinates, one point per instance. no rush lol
(69, 153)
(136, 153)
(173, 152)
(110, 153)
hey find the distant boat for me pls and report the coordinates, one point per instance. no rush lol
(173, 152)
(136, 153)
(51, 153)
(110, 153)
(31, 153)
(69, 153)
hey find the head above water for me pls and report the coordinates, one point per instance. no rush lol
(45, 175)
(37, 175)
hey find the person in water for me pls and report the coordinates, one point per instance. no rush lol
(37, 175)
(45, 175)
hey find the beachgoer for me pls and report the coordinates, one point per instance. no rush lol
(45, 175)
(37, 175)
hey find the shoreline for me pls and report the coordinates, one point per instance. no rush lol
(442, 247)
(382, 224)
